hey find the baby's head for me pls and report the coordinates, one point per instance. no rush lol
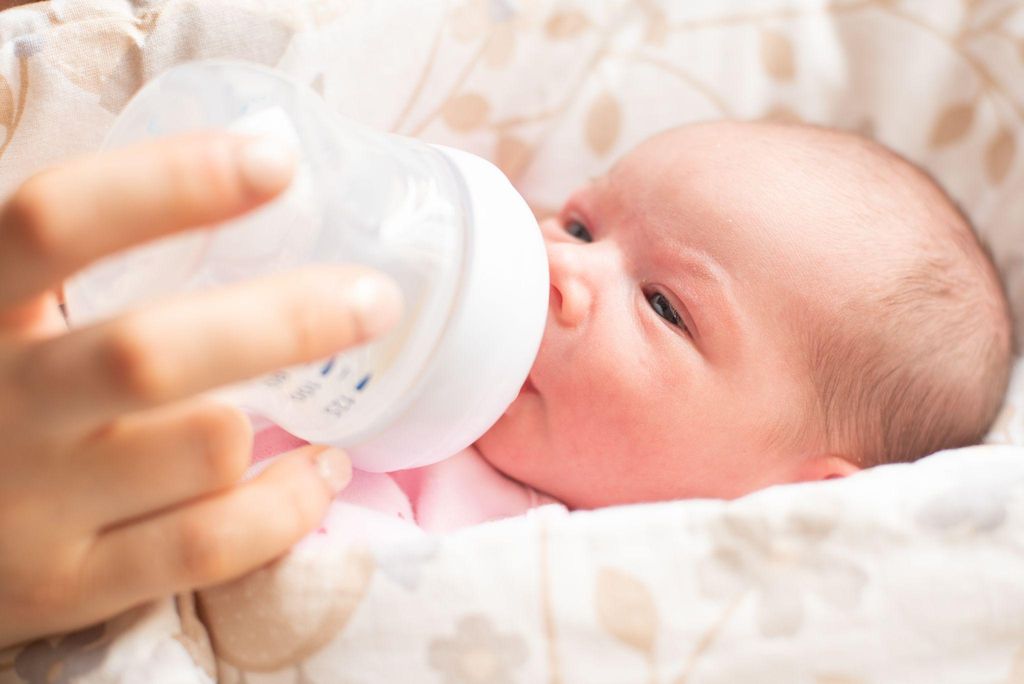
(736, 305)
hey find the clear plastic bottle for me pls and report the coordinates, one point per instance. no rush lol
(448, 226)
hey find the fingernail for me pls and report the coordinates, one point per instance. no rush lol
(267, 164)
(333, 466)
(378, 302)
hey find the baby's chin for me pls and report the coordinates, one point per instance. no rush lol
(524, 401)
(514, 434)
(490, 447)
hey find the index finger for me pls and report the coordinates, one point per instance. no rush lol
(61, 219)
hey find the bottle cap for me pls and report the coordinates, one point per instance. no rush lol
(492, 338)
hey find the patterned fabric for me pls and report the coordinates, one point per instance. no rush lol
(907, 574)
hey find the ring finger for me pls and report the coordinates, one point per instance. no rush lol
(147, 461)
(213, 539)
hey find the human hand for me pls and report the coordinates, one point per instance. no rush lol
(117, 483)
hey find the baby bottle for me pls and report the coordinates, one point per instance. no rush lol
(448, 226)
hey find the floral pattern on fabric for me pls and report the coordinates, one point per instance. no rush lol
(477, 654)
(912, 570)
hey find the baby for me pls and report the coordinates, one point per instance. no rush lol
(732, 306)
(736, 305)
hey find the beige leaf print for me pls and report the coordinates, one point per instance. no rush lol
(469, 21)
(6, 104)
(71, 12)
(657, 33)
(512, 155)
(88, 52)
(465, 112)
(867, 127)
(656, 30)
(626, 609)
(175, 32)
(604, 120)
(952, 124)
(478, 654)
(1017, 668)
(260, 622)
(999, 155)
(777, 55)
(326, 11)
(782, 114)
(501, 46)
(564, 25)
(183, 27)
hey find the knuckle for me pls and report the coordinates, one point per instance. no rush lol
(42, 595)
(302, 322)
(41, 581)
(203, 553)
(226, 443)
(52, 595)
(357, 326)
(134, 364)
(29, 218)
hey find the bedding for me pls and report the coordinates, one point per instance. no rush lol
(905, 574)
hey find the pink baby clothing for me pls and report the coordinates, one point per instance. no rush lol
(460, 491)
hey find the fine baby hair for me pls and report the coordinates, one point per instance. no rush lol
(919, 359)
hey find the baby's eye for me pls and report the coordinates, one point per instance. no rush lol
(579, 231)
(663, 308)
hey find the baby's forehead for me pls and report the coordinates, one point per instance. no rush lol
(763, 146)
(718, 185)
(702, 163)
(785, 182)
(806, 211)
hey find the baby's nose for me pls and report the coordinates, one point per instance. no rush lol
(570, 297)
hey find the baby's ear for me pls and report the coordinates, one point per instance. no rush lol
(825, 467)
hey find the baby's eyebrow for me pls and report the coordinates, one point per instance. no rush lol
(703, 265)
(715, 309)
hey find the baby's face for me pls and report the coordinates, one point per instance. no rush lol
(669, 367)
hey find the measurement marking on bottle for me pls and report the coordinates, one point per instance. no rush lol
(327, 367)
(362, 383)
(276, 379)
(339, 406)
(305, 391)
